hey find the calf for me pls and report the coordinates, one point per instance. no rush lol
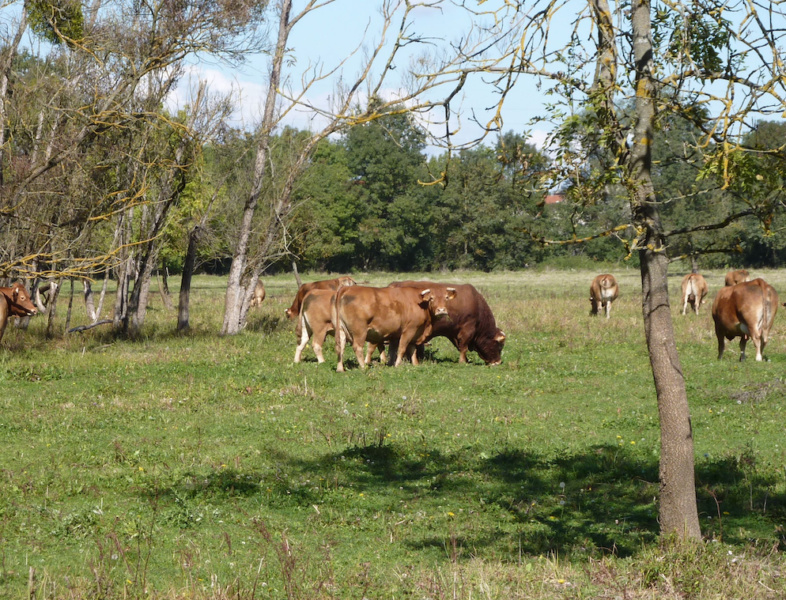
(14, 301)
(694, 289)
(735, 277)
(315, 322)
(745, 310)
(259, 295)
(603, 291)
(377, 315)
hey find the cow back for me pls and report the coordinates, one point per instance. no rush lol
(382, 313)
(738, 307)
(324, 284)
(735, 277)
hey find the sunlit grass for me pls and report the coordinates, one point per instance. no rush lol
(191, 465)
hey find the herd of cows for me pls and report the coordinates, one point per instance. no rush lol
(407, 314)
(743, 308)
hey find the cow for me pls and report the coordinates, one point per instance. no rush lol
(402, 316)
(326, 284)
(470, 324)
(735, 277)
(14, 301)
(259, 295)
(603, 291)
(745, 310)
(694, 289)
(315, 322)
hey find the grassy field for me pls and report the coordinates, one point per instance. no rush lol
(194, 466)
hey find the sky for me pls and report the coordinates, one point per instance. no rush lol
(332, 33)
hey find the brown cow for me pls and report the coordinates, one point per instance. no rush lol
(470, 324)
(14, 301)
(603, 291)
(315, 322)
(735, 277)
(326, 284)
(694, 289)
(745, 310)
(402, 316)
(259, 295)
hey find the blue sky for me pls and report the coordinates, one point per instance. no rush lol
(329, 35)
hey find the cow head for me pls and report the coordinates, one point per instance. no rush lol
(490, 348)
(19, 301)
(437, 303)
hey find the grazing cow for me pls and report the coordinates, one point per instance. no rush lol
(259, 295)
(745, 310)
(315, 322)
(603, 291)
(470, 324)
(326, 284)
(14, 301)
(694, 289)
(402, 316)
(735, 277)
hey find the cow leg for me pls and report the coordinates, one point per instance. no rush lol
(357, 345)
(685, 304)
(721, 343)
(304, 333)
(413, 354)
(316, 343)
(743, 343)
(341, 342)
(403, 347)
(608, 308)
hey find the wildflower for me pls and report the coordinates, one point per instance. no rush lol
(633, 442)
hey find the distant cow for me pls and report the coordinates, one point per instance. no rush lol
(694, 289)
(735, 277)
(315, 322)
(326, 284)
(402, 316)
(259, 295)
(603, 291)
(14, 301)
(745, 310)
(470, 324)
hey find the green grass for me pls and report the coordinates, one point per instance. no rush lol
(195, 466)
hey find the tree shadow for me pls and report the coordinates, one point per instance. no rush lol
(602, 500)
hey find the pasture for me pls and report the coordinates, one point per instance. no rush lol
(194, 466)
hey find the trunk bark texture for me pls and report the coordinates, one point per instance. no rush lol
(185, 282)
(234, 315)
(678, 510)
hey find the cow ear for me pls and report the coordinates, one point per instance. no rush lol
(500, 337)
(451, 293)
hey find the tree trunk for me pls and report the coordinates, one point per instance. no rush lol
(678, 510)
(185, 282)
(51, 312)
(297, 275)
(163, 288)
(70, 306)
(89, 301)
(233, 309)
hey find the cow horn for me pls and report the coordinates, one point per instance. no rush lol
(424, 292)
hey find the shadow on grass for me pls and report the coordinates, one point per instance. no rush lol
(599, 501)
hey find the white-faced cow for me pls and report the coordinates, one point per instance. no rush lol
(469, 325)
(603, 291)
(315, 322)
(14, 301)
(402, 316)
(735, 277)
(259, 295)
(694, 289)
(745, 310)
